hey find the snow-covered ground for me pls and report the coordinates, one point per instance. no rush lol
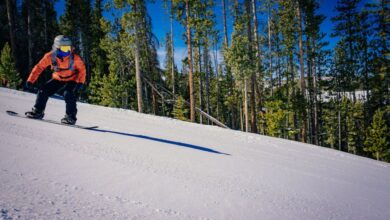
(138, 166)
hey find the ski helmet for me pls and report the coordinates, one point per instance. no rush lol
(61, 40)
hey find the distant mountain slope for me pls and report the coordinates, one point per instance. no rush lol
(138, 166)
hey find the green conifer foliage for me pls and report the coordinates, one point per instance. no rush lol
(110, 91)
(8, 73)
(180, 110)
(355, 124)
(95, 87)
(170, 75)
(378, 137)
(330, 125)
(275, 118)
(238, 56)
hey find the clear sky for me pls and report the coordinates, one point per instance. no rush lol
(160, 22)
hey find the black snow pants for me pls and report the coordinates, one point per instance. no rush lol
(50, 88)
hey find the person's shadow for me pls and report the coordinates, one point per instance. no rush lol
(181, 144)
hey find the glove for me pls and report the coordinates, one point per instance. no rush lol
(78, 88)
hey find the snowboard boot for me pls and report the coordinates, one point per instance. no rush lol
(35, 114)
(69, 120)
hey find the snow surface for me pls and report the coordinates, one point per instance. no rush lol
(138, 166)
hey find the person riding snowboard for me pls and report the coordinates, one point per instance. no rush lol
(69, 76)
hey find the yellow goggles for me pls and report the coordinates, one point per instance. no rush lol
(65, 48)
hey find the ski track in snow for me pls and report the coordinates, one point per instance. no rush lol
(138, 166)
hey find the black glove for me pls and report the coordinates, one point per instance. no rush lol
(78, 88)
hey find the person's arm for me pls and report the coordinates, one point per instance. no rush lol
(80, 67)
(38, 69)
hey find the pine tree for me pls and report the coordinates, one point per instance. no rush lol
(314, 51)
(302, 87)
(347, 28)
(11, 14)
(115, 85)
(98, 55)
(131, 51)
(238, 58)
(132, 20)
(39, 27)
(379, 12)
(110, 91)
(76, 24)
(330, 124)
(203, 22)
(8, 73)
(322, 61)
(183, 11)
(378, 137)
(289, 41)
(94, 88)
(231, 112)
(356, 128)
(344, 107)
(104, 56)
(180, 110)
(275, 118)
(251, 8)
(170, 73)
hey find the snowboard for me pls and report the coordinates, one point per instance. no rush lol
(12, 113)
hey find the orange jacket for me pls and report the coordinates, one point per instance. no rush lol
(77, 75)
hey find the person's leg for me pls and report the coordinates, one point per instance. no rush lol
(70, 100)
(51, 87)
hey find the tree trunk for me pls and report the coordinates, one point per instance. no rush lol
(173, 59)
(246, 105)
(199, 70)
(258, 67)
(137, 66)
(82, 48)
(270, 47)
(302, 68)
(233, 112)
(253, 75)
(215, 54)
(301, 52)
(315, 102)
(225, 34)
(207, 71)
(339, 119)
(366, 85)
(190, 77)
(241, 117)
(310, 98)
(278, 57)
(44, 6)
(154, 101)
(11, 23)
(293, 92)
(29, 35)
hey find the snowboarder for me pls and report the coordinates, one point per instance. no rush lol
(69, 76)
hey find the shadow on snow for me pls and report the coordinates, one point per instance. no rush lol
(181, 144)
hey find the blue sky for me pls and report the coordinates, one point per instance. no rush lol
(161, 25)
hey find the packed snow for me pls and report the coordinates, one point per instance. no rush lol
(139, 166)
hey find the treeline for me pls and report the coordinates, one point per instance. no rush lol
(278, 76)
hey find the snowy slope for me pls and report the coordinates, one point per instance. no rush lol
(137, 166)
